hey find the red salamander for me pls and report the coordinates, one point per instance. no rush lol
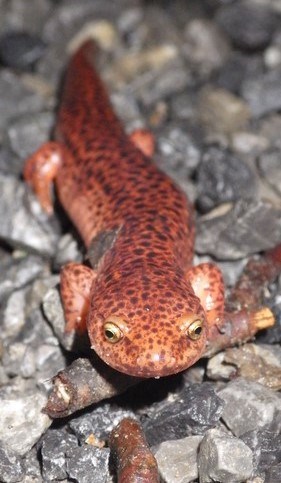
(147, 310)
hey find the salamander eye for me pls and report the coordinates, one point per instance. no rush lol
(112, 332)
(195, 329)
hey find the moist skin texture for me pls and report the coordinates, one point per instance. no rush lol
(146, 309)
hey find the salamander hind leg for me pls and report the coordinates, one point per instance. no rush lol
(207, 282)
(76, 281)
(40, 171)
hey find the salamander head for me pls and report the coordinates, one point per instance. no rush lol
(148, 334)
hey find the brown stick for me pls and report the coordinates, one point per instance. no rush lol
(83, 383)
(134, 460)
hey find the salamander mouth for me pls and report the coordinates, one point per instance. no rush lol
(146, 367)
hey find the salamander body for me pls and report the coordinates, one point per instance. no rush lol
(146, 309)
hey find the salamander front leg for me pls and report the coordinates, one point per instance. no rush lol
(144, 141)
(40, 171)
(76, 281)
(207, 283)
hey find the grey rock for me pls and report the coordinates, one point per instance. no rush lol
(32, 467)
(21, 420)
(233, 232)
(54, 447)
(27, 132)
(16, 273)
(221, 112)
(177, 460)
(263, 93)
(11, 467)
(161, 83)
(269, 164)
(179, 153)
(9, 162)
(87, 464)
(53, 310)
(237, 69)
(13, 315)
(245, 142)
(223, 177)
(223, 458)
(266, 447)
(249, 26)
(19, 359)
(259, 363)
(273, 474)
(269, 127)
(18, 98)
(22, 226)
(67, 251)
(194, 410)
(183, 106)
(206, 48)
(250, 406)
(20, 50)
(127, 109)
(21, 16)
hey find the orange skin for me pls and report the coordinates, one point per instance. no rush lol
(139, 230)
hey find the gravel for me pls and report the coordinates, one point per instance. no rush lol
(206, 80)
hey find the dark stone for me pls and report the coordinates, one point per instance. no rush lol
(273, 474)
(237, 69)
(55, 445)
(87, 464)
(11, 467)
(20, 50)
(248, 25)
(223, 177)
(269, 164)
(263, 93)
(266, 447)
(195, 409)
(99, 421)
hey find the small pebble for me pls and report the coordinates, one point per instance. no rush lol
(263, 93)
(250, 406)
(88, 464)
(266, 447)
(269, 164)
(27, 132)
(223, 458)
(177, 460)
(20, 226)
(20, 50)
(11, 466)
(221, 112)
(206, 48)
(54, 447)
(223, 177)
(21, 419)
(249, 26)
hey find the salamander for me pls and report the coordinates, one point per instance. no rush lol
(147, 310)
